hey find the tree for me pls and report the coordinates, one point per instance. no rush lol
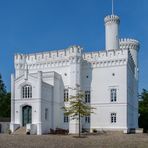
(4, 100)
(78, 108)
(143, 110)
(5, 105)
(2, 87)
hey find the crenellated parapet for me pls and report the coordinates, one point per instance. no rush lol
(66, 57)
(112, 19)
(106, 58)
(105, 54)
(127, 43)
(53, 58)
(73, 51)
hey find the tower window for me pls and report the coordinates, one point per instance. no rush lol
(27, 91)
(66, 119)
(113, 95)
(113, 118)
(87, 96)
(66, 95)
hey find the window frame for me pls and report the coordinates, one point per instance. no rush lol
(26, 91)
(87, 96)
(113, 117)
(66, 95)
(113, 95)
(66, 118)
(87, 119)
(46, 113)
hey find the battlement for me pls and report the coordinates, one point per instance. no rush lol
(111, 19)
(127, 43)
(50, 55)
(72, 55)
(105, 55)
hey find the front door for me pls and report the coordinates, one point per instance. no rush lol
(26, 115)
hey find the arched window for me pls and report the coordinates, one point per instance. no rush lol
(27, 91)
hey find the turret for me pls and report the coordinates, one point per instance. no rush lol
(133, 46)
(19, 61)
(112, 32)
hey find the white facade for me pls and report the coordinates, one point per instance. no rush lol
(110, 76)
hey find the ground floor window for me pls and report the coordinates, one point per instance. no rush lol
(46, 114)
(113, 118)
(66, 119)
(87, 119)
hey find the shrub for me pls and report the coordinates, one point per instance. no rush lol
(94, 131)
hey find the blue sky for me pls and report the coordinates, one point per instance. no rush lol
(28, 26)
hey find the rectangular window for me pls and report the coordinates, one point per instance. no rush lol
(87, 119)
(66, 119)
(113, 118)
(87, 96)
(113, 95)
(23, 92)
(27, 91)
(46, 114)
(66, 95)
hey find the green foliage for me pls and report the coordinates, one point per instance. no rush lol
(4, 100)
(2, 87)
(78, 108)
(143, 110)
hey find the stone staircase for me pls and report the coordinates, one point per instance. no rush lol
(20, 131)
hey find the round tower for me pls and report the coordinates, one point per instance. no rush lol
(133, 45)
(112, 32)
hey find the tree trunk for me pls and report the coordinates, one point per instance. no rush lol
(79, 126)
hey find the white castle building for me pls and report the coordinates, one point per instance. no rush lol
(40, 86)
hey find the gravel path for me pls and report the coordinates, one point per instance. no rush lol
(106, 140)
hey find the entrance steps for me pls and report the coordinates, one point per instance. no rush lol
(20, 131)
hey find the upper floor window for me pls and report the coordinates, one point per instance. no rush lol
(113, 118)
(27, 91)
(87, 96)
(113, 95)
(87, 119)
(66, 95)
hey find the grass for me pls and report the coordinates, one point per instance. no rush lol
(105, 140)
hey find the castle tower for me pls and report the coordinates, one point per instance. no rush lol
(133, 46)
(75, 80)
(112, 32)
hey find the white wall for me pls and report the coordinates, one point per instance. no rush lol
(103, 80)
